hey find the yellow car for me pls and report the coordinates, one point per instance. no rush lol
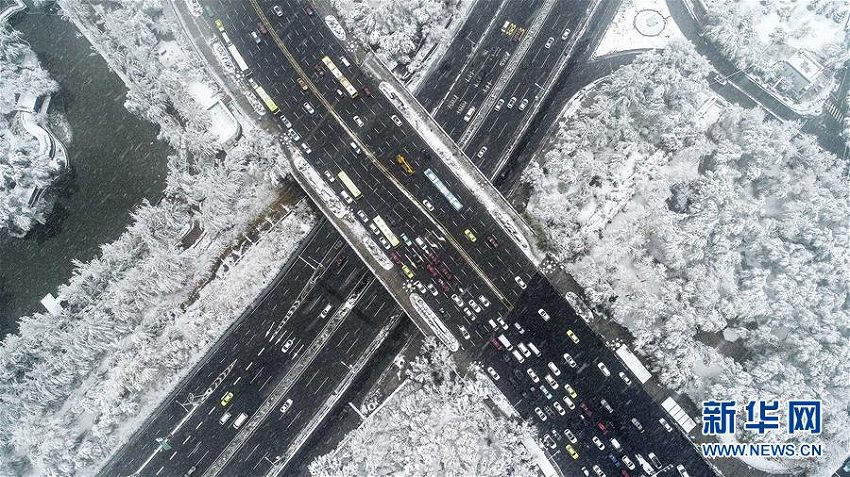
(470, 235)
(225, 400)
(511, 29)
(570, 391)
(220, 25)
(407, 272)
(572, 452)
(572, 336)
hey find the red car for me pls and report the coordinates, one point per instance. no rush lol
(262, 28)
(319, 70)
(367, 91)
(395, 257)
(308, 10)
(443, 284)
(492, 242)
(432, 270)
(601, 426)
(585, 409)
(496, 343)
(432, 256)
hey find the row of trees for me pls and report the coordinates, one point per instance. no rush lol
(22, 168)
(72, 385)
(688, 234)
(437, 425)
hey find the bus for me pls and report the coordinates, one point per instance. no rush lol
(438, 183)
(352, 189)
(240, 62)
(264, 96)
(352, 91)
(388, 234)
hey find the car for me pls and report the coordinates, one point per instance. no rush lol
(286, 123)
(532, 375)
(396, 120)
(546, 393)
(518, 35)
(598, 471)
(607, 406)
(433, 289)
(428, 205)
(355, 147)
(226, 398)
(492, 242)
(572, 392)
(362, 215)
(256, 37)
(559, 408)
(551, 381)
(374, 228)
(469, 235)
(327, 309)
(665, 424)
(603, 368)
(523, 104)
(220, 25)
(262, 28)
(457, 300)
(637, 424)
(443, 284)
(481, 152)
(419, 286)
(520, 282)
(306, 148)
(309, 107)
(463, 332)
(474, 306)
(540, 414)
(512, 102)
(602, 427)
(524, 349)
(569, 402)
(566, 34)
(358, 121)
(628, 462)
(319, 70)
(519, 328)
(625, 378)
(502, 322)
(543, 314)
(406, 239)
(367, 91)
(286, 405)
(499, 104)
(468, 313)
(330, 177)
(573, 336)
(570, 436)
(533, 349)
(277, 10)
(549, 442)
(484, 301)
(572, 452)
(407, 272)
(190, 471)
(598, 443)
(339, 93)
(720, 79)
(554, 368)
(383, 241)
(682, 471)
(569, 360)
(224, 418)
(654, 459)
(287, 345)
(309, 10)
(293, 135)
(301, 83)
(549, 43)
(493, 374)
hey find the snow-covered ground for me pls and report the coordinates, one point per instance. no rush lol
(698, 224)
(638, 25)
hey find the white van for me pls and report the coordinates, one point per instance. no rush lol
(524, 350)
(240, 419)
(507, 344)
(518, 356)
(224, 418)
(344, 61)
(533, 349)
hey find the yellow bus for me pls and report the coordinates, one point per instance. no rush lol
(352, 91)
(388, 234)
(352, 189)
(264, 96)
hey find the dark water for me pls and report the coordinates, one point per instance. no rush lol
(116, 162)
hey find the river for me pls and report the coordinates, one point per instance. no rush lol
(116, 162)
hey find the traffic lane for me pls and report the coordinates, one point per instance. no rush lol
(249, 394)
(318, 382)
(144, 443)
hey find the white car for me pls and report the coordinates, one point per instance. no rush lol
(432, 289)
(428, 205)
(457, 300)
(559, 408)
(492, 372)
(566, 34)
(484, 301)
(309, 107)
(330, 177)
(293, 135)
(628, 462)
(287, 345)
(532, 375)
(419, 286)
(481, 152)
(549, 43)
(519, 328)
(499, 105)
(519, 281)
(277, 10)
(464, 333)
(306, 148)
(512, 102)
(625, 378)
(554, 368)
(570, 436)
(540, 414)
(502, 322)
(286, 405)
(523, 104)
(358, 121)
(598, 442)
(286, 123)
(362, 215)
(474, 306)
(603, 368)
(347, 198)
(373, 227)
(384, 243)
(551, 381)
(543, 314)
(355, 147)
(523, 349)
(569, 360)
(396, 120)
(569, 402)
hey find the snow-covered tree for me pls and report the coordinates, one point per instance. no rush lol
(437, 425)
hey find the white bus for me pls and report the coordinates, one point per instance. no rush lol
(352, 189)
(240, 62)
(388, 234)
(352, 91)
